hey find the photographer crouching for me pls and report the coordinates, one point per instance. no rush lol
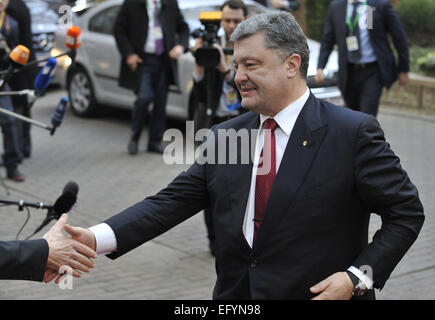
(9, 37)
(215, 93)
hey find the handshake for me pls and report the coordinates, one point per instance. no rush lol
(72, 254)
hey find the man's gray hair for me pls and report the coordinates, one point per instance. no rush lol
(281, 33)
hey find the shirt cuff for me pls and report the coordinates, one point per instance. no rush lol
(368, 281)
(105, 238)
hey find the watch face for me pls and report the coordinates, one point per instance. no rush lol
(360, 289)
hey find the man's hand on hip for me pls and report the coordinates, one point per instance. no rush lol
(335, 287)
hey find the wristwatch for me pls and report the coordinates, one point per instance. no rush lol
(359, 287)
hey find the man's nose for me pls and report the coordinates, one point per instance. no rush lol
(240, 76)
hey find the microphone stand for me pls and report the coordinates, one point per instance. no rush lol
(2, 181)
(71, 54)
(26, 205)
(18, 93)
(23, 118)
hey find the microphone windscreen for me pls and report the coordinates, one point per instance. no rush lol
(64, 204)
(44, 76)
(73, 38)
(19, 55)
(67, 200)
(71, 187)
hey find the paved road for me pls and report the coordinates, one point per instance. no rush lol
(176, 265)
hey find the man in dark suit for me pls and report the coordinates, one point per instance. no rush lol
(31, 259)
(291, 223)
(145, 33)
(366, 62)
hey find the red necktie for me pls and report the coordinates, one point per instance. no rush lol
(266, 172)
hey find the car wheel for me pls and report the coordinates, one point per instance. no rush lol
(81, 93)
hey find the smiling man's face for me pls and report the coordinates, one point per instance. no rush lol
(261, 76)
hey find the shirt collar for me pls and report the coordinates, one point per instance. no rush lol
(287, 116)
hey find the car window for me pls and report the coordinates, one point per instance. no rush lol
(104, 21)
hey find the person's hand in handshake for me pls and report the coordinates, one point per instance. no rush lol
(76, 251)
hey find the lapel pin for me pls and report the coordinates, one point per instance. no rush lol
(305, 143)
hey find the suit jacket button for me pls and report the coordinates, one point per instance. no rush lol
(253, 263)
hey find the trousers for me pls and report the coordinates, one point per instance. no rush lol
(364, 88)
(153, 88)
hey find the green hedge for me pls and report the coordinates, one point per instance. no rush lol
(418, 20)
(426, 64)
(316, 11)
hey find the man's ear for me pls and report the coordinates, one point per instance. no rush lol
(293, 65)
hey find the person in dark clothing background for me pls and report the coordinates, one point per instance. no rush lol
(150, 35)
(18, 10)
(12, 155)
(362, 30)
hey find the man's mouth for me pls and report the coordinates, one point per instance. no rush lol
(247, 90)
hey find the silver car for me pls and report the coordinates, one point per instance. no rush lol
(92, 82)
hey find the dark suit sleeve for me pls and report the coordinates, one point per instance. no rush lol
(23, 260)
(395, 29)
(182, 30)
(385, 188)
(120, 31)
(183, 198)
(328, 40)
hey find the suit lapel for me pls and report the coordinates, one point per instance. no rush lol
(239, 179)
(304, 142)
(341, 16)
(372, 5)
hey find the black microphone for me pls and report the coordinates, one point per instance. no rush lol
(63, 204)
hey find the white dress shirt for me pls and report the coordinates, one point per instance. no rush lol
(286, 119)
(367, 51)
(154, 32)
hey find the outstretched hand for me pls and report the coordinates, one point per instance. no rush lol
(75, 251)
